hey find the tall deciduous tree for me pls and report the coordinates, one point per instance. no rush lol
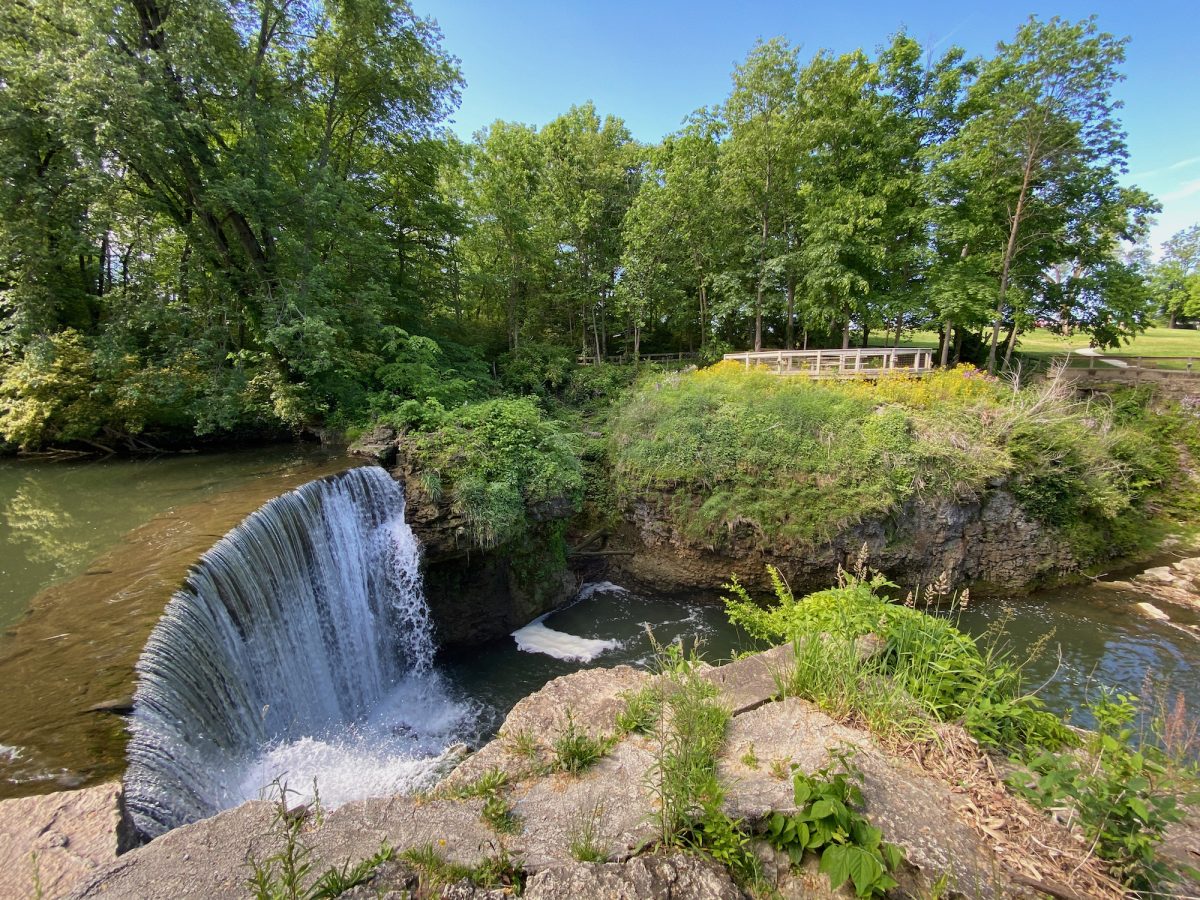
(1176, 277)
(758, 158)
(1039, 156)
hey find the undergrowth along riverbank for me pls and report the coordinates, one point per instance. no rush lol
(1120, 789)
(798, 460)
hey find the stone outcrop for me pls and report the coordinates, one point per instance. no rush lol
(947, 830)
(51, 843)
(986, 539)
(1178, 582)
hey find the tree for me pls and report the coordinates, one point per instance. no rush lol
(237, 195)
(1176, 278)
(1039, 157)
(591, 175)
(758, 157)
(508, 241)
(675, 233)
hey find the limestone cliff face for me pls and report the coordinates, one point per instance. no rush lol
(477, 594)
(987, 538)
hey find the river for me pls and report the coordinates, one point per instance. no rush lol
(91, 551)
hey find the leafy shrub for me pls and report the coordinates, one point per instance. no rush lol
(939, 668)
(827, 823)
(789, 458)
(495, 460)
(420, 380)
(726, 449)
(535, 368)
(596, 385)
(1123, 796)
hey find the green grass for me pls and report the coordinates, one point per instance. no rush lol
(729, 454)
(927, 671)
(1043, 345)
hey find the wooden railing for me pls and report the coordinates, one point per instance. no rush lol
(590, 360)
(868, 362)
(1105, 363)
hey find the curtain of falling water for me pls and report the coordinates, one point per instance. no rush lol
(297, 621)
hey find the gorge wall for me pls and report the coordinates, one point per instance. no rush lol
(987, 538)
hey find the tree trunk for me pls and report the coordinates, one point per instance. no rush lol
(790, 333)
(1012, 342)
(899, 329)
(846, 333)
(703, 312)
(946, 326)
(1010, 252)
(762, 261)
(1173, 321)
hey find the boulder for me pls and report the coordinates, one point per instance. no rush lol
(913, 809)
(51, 843)
(982, 539)
(675, 876)
(945, 826)
(379, 444)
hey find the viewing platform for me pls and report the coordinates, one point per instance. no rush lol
(866, 362)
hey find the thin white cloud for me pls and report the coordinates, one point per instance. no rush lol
(1187, 189)
(1173, 167)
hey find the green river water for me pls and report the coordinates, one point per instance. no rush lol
(91, 551)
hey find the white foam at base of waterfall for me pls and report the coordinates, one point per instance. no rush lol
(400, 749)
(537, 638)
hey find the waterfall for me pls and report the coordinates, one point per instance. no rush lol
(299, 647)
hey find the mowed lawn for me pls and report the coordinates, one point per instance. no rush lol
(1041, 344)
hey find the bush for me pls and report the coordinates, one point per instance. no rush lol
(422, 378)
(794, 461)
(926, 661)
(1125, 797)
(495, 460)
(789, 459)
(535, 368)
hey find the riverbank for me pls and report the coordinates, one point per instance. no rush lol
(568, 801)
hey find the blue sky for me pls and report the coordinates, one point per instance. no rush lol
(653, 62)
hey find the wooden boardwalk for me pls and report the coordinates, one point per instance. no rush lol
(1177, 376)
(869, 362)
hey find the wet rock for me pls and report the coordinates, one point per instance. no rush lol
(1157, 575)
(121, 706)
(1189, 567)
(53, 842)
(1153, 611)
(677, 876)
(477, 594)
(593, 697)
(1178, 583)
(610, 805)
